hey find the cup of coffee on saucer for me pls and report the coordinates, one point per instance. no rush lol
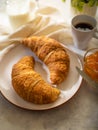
(83, 30)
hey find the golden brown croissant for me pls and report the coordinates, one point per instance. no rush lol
(52, 53)
(30, 85)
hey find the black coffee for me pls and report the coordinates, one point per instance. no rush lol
(84, 26)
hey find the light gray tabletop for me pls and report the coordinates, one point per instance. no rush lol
(79, 113)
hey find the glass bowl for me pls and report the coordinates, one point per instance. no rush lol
(91, 64)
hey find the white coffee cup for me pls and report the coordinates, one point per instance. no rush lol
(83, 29)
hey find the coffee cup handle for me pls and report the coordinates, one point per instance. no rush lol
(96, 34)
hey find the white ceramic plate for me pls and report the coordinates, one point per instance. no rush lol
(12, 54)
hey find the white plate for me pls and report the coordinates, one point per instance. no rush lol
(12, 54)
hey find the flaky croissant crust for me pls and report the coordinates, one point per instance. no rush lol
(30, 85)
(53, 54)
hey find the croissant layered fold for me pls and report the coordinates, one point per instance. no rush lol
(52, 53)
(30, 85)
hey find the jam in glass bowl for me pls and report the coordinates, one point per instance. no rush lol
(91, 64)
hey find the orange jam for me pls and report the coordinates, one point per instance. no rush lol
(91, 65)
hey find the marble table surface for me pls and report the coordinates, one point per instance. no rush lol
(79, 113)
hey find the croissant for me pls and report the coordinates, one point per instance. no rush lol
(30, 85)
(52, 53)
